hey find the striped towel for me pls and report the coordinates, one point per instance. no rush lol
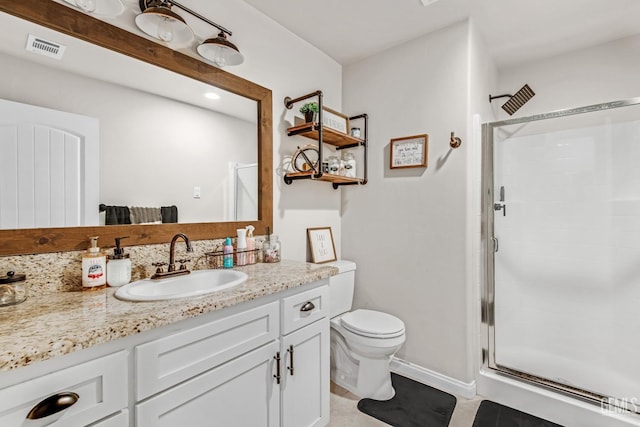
(140, 215)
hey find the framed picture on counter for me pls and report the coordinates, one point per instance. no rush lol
(321, 244)
(409, 152)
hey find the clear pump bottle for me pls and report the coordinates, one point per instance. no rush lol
(118, 266)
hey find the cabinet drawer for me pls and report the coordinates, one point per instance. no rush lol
(101, 385)
(165, 362)
(304, 308)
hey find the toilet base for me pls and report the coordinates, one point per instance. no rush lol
(365, 377)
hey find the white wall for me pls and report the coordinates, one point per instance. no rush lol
(603, 73)
(289, 66)
(407, 229)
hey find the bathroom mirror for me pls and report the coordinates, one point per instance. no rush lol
(161, 69)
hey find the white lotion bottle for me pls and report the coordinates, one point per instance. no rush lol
(241, 246)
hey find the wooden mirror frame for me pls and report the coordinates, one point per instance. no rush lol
(75, 23)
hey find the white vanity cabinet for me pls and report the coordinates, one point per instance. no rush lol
(262, 363)
(270, 368)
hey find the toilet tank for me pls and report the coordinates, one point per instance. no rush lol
(341, 287)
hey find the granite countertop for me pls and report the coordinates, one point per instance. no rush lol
(50, 325)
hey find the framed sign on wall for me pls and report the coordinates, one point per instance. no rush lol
(321, 243)
(409, 152)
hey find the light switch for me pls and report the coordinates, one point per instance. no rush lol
(196, 192)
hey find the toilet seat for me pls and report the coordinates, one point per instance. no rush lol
(374, 324)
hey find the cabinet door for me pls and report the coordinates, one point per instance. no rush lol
(305, 391)
(240, 393)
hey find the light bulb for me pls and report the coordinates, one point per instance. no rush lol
(165, 30)
(87, 5)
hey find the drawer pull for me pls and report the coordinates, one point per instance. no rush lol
(277, 376)
(307, 306)
(290, 367)
(52, 405)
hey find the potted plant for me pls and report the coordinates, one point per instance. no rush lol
(310, 111)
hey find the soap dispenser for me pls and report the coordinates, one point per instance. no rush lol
(118, 266)
(94, 268)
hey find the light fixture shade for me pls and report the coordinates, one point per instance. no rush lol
(220, 51)
(110, 8)
(154, 20)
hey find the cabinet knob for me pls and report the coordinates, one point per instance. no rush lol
(52, 405)
(308, 306)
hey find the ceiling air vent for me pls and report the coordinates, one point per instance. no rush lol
(45, 47)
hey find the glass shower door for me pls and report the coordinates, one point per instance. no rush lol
(565, 218)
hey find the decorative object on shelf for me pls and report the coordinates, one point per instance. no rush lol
(333, 165)
(305, 158)
(310, 111)
(349, 164)
(321, 244)
(454, 142)
(335, 120)
(409, 152)
(159, 21)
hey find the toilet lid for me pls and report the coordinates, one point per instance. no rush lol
(372, 324)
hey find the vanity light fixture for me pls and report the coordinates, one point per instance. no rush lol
(159, 21)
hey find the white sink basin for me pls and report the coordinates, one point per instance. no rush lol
(195, 284)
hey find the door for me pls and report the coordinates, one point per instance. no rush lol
(565, 218)
(305, 385)
(50, 167)
(239, 393)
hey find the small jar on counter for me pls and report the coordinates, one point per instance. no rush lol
(12, 288)
(271, 249)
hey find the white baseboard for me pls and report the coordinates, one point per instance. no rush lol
(433, 379)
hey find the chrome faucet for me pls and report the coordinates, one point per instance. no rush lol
(172, 266)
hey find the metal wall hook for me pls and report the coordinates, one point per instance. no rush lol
(455, 142)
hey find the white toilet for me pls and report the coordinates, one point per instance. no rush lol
(362, 341)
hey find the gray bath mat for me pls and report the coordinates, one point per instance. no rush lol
(414, 405)
(491, 414)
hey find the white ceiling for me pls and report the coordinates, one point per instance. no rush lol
(514, 31)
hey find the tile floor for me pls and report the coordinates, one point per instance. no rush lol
(344, 411)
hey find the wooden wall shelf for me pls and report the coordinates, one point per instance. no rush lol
(329, 136)
(326, 135)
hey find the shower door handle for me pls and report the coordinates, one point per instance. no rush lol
(496, 245)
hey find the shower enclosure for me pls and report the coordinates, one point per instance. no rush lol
(561, 211)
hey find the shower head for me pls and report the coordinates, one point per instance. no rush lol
(515, 101)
